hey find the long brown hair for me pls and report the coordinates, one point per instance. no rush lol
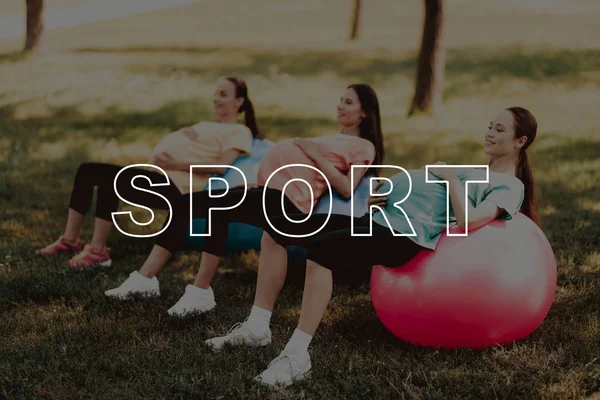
(370, 126)
(241, 90)
(526, 125)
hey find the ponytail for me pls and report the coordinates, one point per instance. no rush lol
(525, 174)
(370, 126)
(526, 125)
(250, 119)
(241, 90)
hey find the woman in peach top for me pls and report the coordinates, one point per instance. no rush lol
(206, 143)
(359, 143)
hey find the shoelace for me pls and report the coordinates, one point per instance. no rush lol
(287, 355)
(236, 327)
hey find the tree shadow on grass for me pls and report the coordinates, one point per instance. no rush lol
(12, 57)
(114, 123)
(481, 64)
(572, 228)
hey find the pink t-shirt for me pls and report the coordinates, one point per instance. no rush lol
(340, 150)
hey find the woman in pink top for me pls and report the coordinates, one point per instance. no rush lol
(359, 143)
(209, 143)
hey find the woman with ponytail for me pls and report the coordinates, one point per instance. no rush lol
(207, 143)
(360, 142)
(510, 188)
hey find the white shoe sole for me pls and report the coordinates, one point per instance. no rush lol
(90, 267)
(259, 343)
(185, 313)
(304, 374)
(130, 295)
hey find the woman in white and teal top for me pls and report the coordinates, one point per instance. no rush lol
(510, 189)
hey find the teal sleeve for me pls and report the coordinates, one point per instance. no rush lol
(508, 196)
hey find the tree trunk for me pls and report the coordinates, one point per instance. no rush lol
(356, 12)
(35, 25)
(432, 61)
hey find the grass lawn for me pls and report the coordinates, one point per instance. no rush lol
(108, 91)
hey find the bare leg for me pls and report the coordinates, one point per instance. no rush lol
(207, 270)
(272, 270)
(101, 231)
(74, 225)
(156, 260)
(317, 293)
(294, 361)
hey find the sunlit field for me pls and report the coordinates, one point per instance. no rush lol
(109, 90)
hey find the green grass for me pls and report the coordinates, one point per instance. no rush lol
(109, 91)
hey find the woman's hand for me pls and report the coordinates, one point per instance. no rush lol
(378, 200)
(445, 174)
(166, 162)
(308, 146)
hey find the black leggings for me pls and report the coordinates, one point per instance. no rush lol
(90, 175)
(336, 249)
(250, 211)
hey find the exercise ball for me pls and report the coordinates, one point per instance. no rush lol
(241, 236)
(494, 286)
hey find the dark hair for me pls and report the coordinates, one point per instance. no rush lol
(241, 90)
(526, 125)
(370, 126)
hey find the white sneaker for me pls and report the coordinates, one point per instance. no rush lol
(239, 334)
(136, 284)
(288, 367)
(194, 300)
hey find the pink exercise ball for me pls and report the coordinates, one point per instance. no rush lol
(492, 287)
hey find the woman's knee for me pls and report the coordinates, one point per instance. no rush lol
(89, 171)
(267, 242)
(84, 170)
(313, 268)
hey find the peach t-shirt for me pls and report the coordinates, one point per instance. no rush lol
(207, 141)
(340, 150)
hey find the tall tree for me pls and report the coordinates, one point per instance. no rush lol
(355, 22)
(35, 25)
(432, 61)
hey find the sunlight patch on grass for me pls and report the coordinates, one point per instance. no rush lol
(51, 151)
(592, 262)
(590, 205)
(250, 259)
(290, 312)
(12, 227)
(577, 175)
(5, 147)
(548, 210)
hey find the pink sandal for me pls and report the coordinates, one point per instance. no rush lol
(60, 246)
(89, 257)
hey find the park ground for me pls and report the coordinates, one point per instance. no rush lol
(109, 90)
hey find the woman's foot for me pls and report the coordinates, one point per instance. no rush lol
(240, 334)
(290, 366)
(136, 284)
(194, 301)
(60, 246)
(89, 257)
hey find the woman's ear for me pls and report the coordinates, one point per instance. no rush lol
(521, 142)
(239, 102)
